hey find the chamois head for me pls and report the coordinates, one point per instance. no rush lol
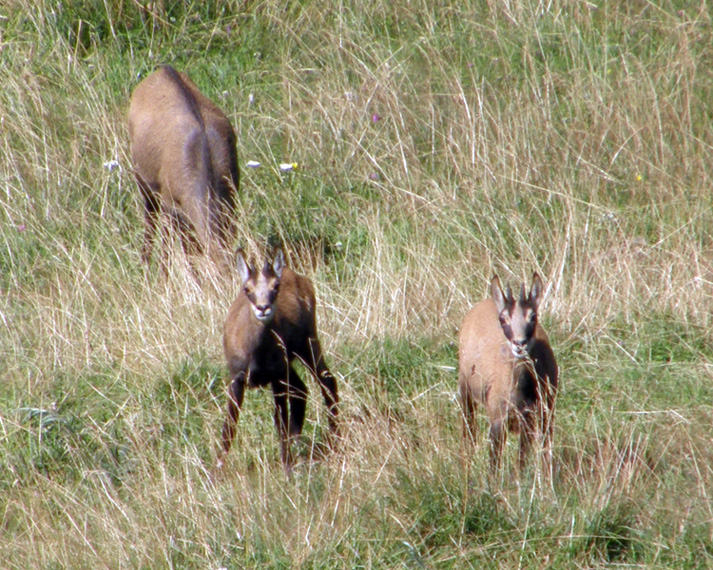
(261, 288)
(518, 319)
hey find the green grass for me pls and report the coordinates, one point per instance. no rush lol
(437, 143)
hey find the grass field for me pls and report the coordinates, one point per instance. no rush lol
(437, 143)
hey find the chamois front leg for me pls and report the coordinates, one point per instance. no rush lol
(527, 426)
(236, 393)
(547, 425)
(470, 421)
(297, 394)
(279, 392)
(497, 442)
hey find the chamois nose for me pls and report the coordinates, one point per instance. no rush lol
(263, 312)
(519, 348)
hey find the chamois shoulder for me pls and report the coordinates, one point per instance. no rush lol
(481, 324)
(296, 303)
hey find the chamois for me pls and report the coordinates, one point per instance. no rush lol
(506, 363)
(270, 323)
(185, 163)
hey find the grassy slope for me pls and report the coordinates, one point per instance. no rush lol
(574, 141)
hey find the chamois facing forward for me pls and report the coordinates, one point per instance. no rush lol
(270, 323)
(185, 163)
(507, 365)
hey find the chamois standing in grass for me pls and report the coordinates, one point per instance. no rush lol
(270, 323)
(506, 364)
(185, 162)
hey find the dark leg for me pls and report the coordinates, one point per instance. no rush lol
(547, 423)
(527, 435)
(327, 382)
(547, 381)
(298, 403)
(497, 441)
(468, 407)
(235, 402)
(151, 219)
(189, 243)
(279, 391)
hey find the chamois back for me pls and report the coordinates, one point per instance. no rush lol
(185, 162)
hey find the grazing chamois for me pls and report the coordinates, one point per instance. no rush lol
(185, 162)
(270, 323)
(507, 365)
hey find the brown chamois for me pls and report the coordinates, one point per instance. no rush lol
(270, 323)
(507, 365)
(185, 162)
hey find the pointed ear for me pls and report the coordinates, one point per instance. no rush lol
(242, 265)
(536, 291)
(278, 263)
(496, 291)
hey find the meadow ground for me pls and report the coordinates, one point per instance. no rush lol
(437, 143)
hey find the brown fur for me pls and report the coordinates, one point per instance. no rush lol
(185, 162)
(261, 353)
(516, 393)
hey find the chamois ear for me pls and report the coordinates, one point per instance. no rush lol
(496, 291)
(278, 263)
(536, 291)
(242, 265)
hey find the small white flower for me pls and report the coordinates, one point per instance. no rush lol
(253, 164)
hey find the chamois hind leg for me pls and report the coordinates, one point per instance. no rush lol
(151, 218)
(327, 383)
(235, 402)
(195, 235)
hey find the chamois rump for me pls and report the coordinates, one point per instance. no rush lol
(185, 162)
(507, 365)
(270, 323)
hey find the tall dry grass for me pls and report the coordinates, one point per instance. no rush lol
(436, 144)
